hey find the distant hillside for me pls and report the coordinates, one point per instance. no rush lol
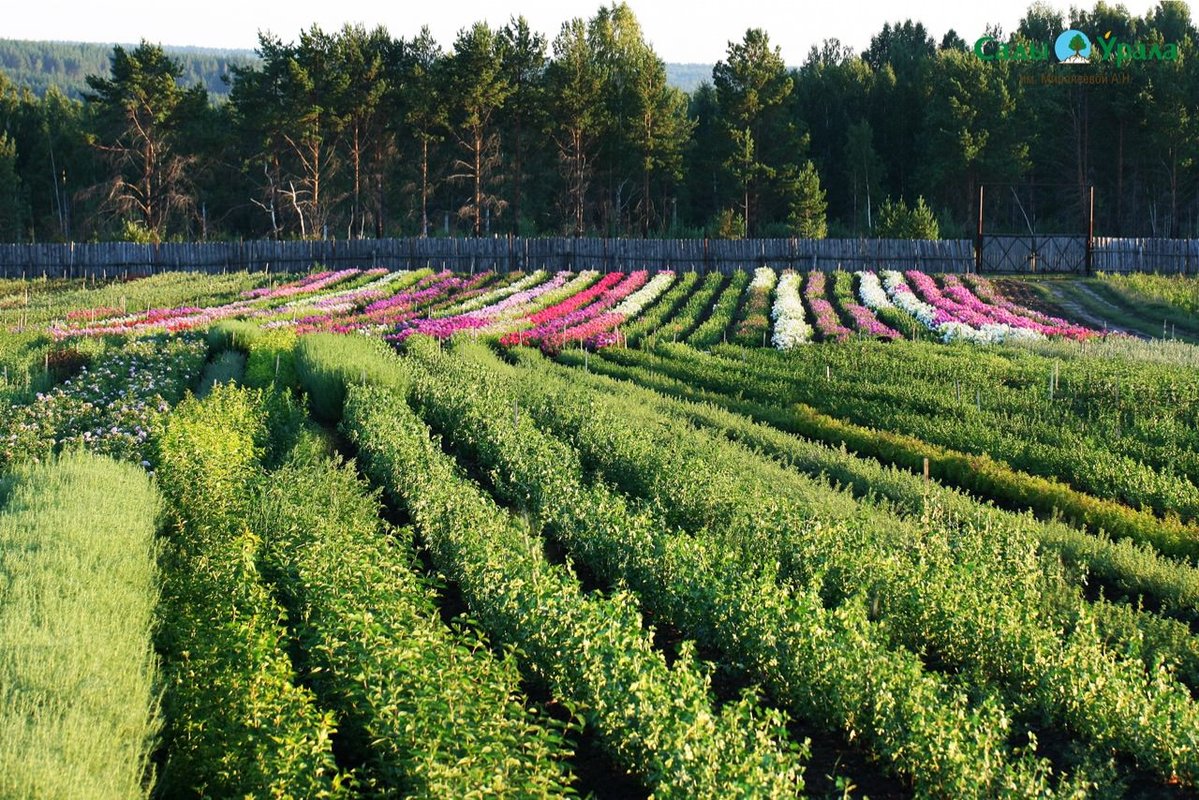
(40, 65)
(688, 77)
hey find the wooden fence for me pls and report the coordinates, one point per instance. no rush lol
(469, 255)
(110, 259)
(1146, 255)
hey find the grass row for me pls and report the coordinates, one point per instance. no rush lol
(78, 586)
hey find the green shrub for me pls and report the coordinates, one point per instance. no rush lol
(239, 723)
(326, 363)
(272, 359)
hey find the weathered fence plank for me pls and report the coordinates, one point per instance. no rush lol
(108, 259)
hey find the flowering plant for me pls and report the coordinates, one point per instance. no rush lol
(790, 328)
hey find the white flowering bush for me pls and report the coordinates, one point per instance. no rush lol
(635, 303)
(901, 295)
(115, 407)
(874, 296)
(764, 278)
(790, 327)
(940, 321)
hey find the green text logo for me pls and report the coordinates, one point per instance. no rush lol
(1075, 47)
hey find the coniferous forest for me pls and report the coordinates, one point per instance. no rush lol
(356, 133)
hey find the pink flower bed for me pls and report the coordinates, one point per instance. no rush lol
(562, 315)
(392, 310)
(1050, 325)
(313, 283)
(865, 321)
(446, 327)
(573, 320)
(827, 322)
(184, 318)
(963, 296)
(948, 310)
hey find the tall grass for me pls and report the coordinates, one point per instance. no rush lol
(78, 587)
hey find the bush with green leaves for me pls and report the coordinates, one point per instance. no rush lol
(1126, 571)
(832, 668)
(914, 408)
(753, 319)
(238, 720)
(327, 363)
(652, 318)
(1003, 633)
(687, 315)
(592, 652)
(372, 645)
(720, 318)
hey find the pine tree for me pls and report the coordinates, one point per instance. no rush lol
(809, 208)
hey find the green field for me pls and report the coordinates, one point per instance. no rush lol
(413, 534)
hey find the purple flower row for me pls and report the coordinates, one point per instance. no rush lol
(447, 326)
(313, 283)
(955, 289)
(947, 310)
(560, 329)
(1057, 326)
(827, 322)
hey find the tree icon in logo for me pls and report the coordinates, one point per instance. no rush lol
(1072, 47)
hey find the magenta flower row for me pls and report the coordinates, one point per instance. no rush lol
(576, 301)
(827, 322)
(313, 283)
(553, 333)
(447, 326)
(948, 310)
(1011, 314)
(1054, 326)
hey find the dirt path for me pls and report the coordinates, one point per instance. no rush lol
(1079, 312)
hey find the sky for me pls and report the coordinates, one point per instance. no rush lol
(686, 31)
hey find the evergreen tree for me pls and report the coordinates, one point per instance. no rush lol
(13, 208)
(751, 86)
(575, 91)
(523, 61)
(138, 111)
(898, 221)
(863, 174)
(426, 115)
(809, 210)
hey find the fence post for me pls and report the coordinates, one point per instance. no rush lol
(1090, 230)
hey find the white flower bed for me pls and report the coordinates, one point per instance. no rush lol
(764, 279)
(903, 297)
(790, 329)
(635, 303)
(950, 331)
(871, 290)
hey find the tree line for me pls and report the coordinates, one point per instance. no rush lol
(356, 133)
(65, 66)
